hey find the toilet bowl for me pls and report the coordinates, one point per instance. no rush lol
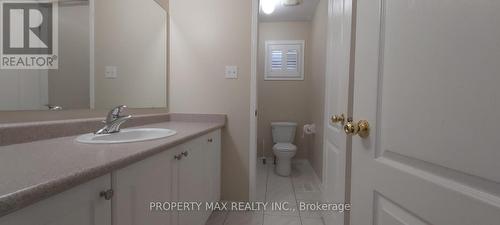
(284, 149)
(284, 153)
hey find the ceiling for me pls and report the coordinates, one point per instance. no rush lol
(302, 12)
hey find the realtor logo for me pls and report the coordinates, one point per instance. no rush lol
(29, 35)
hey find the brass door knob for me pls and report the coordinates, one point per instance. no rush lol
(361, 128)
(338, 119)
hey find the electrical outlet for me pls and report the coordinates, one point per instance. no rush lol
(231, 72)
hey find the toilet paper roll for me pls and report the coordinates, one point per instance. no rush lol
(308, 129)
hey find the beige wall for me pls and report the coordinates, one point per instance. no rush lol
(70, 84)
(205, 36)
(317, 62)
(131, 35)
(283, 100)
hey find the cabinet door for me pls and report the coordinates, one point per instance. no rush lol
(81, 205)
(199, 176)
(214, 164)
(137, 185)
(192, 182)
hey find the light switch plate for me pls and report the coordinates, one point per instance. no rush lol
(231, 72)
(110, 72)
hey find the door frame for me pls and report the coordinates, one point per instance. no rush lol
(350, 109)
(92, 54)
(350, 100)
(253, 103)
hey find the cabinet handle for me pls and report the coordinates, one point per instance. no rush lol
(108, 194)
(210, 140)
(178, 157)
(185, 154)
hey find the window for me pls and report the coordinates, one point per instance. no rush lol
(284, 60)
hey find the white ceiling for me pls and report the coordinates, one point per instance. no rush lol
(302, 12)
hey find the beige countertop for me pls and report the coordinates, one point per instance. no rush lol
(33, 171)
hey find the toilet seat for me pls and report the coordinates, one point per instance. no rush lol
(285, 147)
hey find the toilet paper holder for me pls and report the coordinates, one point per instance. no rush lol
(308, 129)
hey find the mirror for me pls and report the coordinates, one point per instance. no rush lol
(102, 54)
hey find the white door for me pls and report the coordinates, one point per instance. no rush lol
(336, 103)
(23, 89)
(426, 78)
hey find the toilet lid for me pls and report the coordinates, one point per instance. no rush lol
(285, 147)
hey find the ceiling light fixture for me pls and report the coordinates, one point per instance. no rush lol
(268, 6)
(291, 2)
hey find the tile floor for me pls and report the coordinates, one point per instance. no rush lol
(302, 186)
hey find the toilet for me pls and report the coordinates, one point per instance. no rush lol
(284, 149)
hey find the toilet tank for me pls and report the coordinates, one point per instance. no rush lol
(283, 132)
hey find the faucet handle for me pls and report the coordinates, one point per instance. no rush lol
(115, 113)
(118, 110)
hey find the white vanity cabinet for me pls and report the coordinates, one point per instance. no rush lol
(188, 172)
(81, 205)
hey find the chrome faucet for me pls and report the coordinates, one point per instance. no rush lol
(114, 120)
(54, 107)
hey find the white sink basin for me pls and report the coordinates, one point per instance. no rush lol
(126, 136)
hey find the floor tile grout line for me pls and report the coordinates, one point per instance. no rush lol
(225, 217)
(296, 200)
(294, 182)
(315, 177)
(265, 196)
(268, 179)
(262, 219)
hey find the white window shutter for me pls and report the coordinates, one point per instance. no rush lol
(284, 60)
(276, 60)
(292, 60)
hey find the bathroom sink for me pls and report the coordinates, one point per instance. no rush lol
(126, 136)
